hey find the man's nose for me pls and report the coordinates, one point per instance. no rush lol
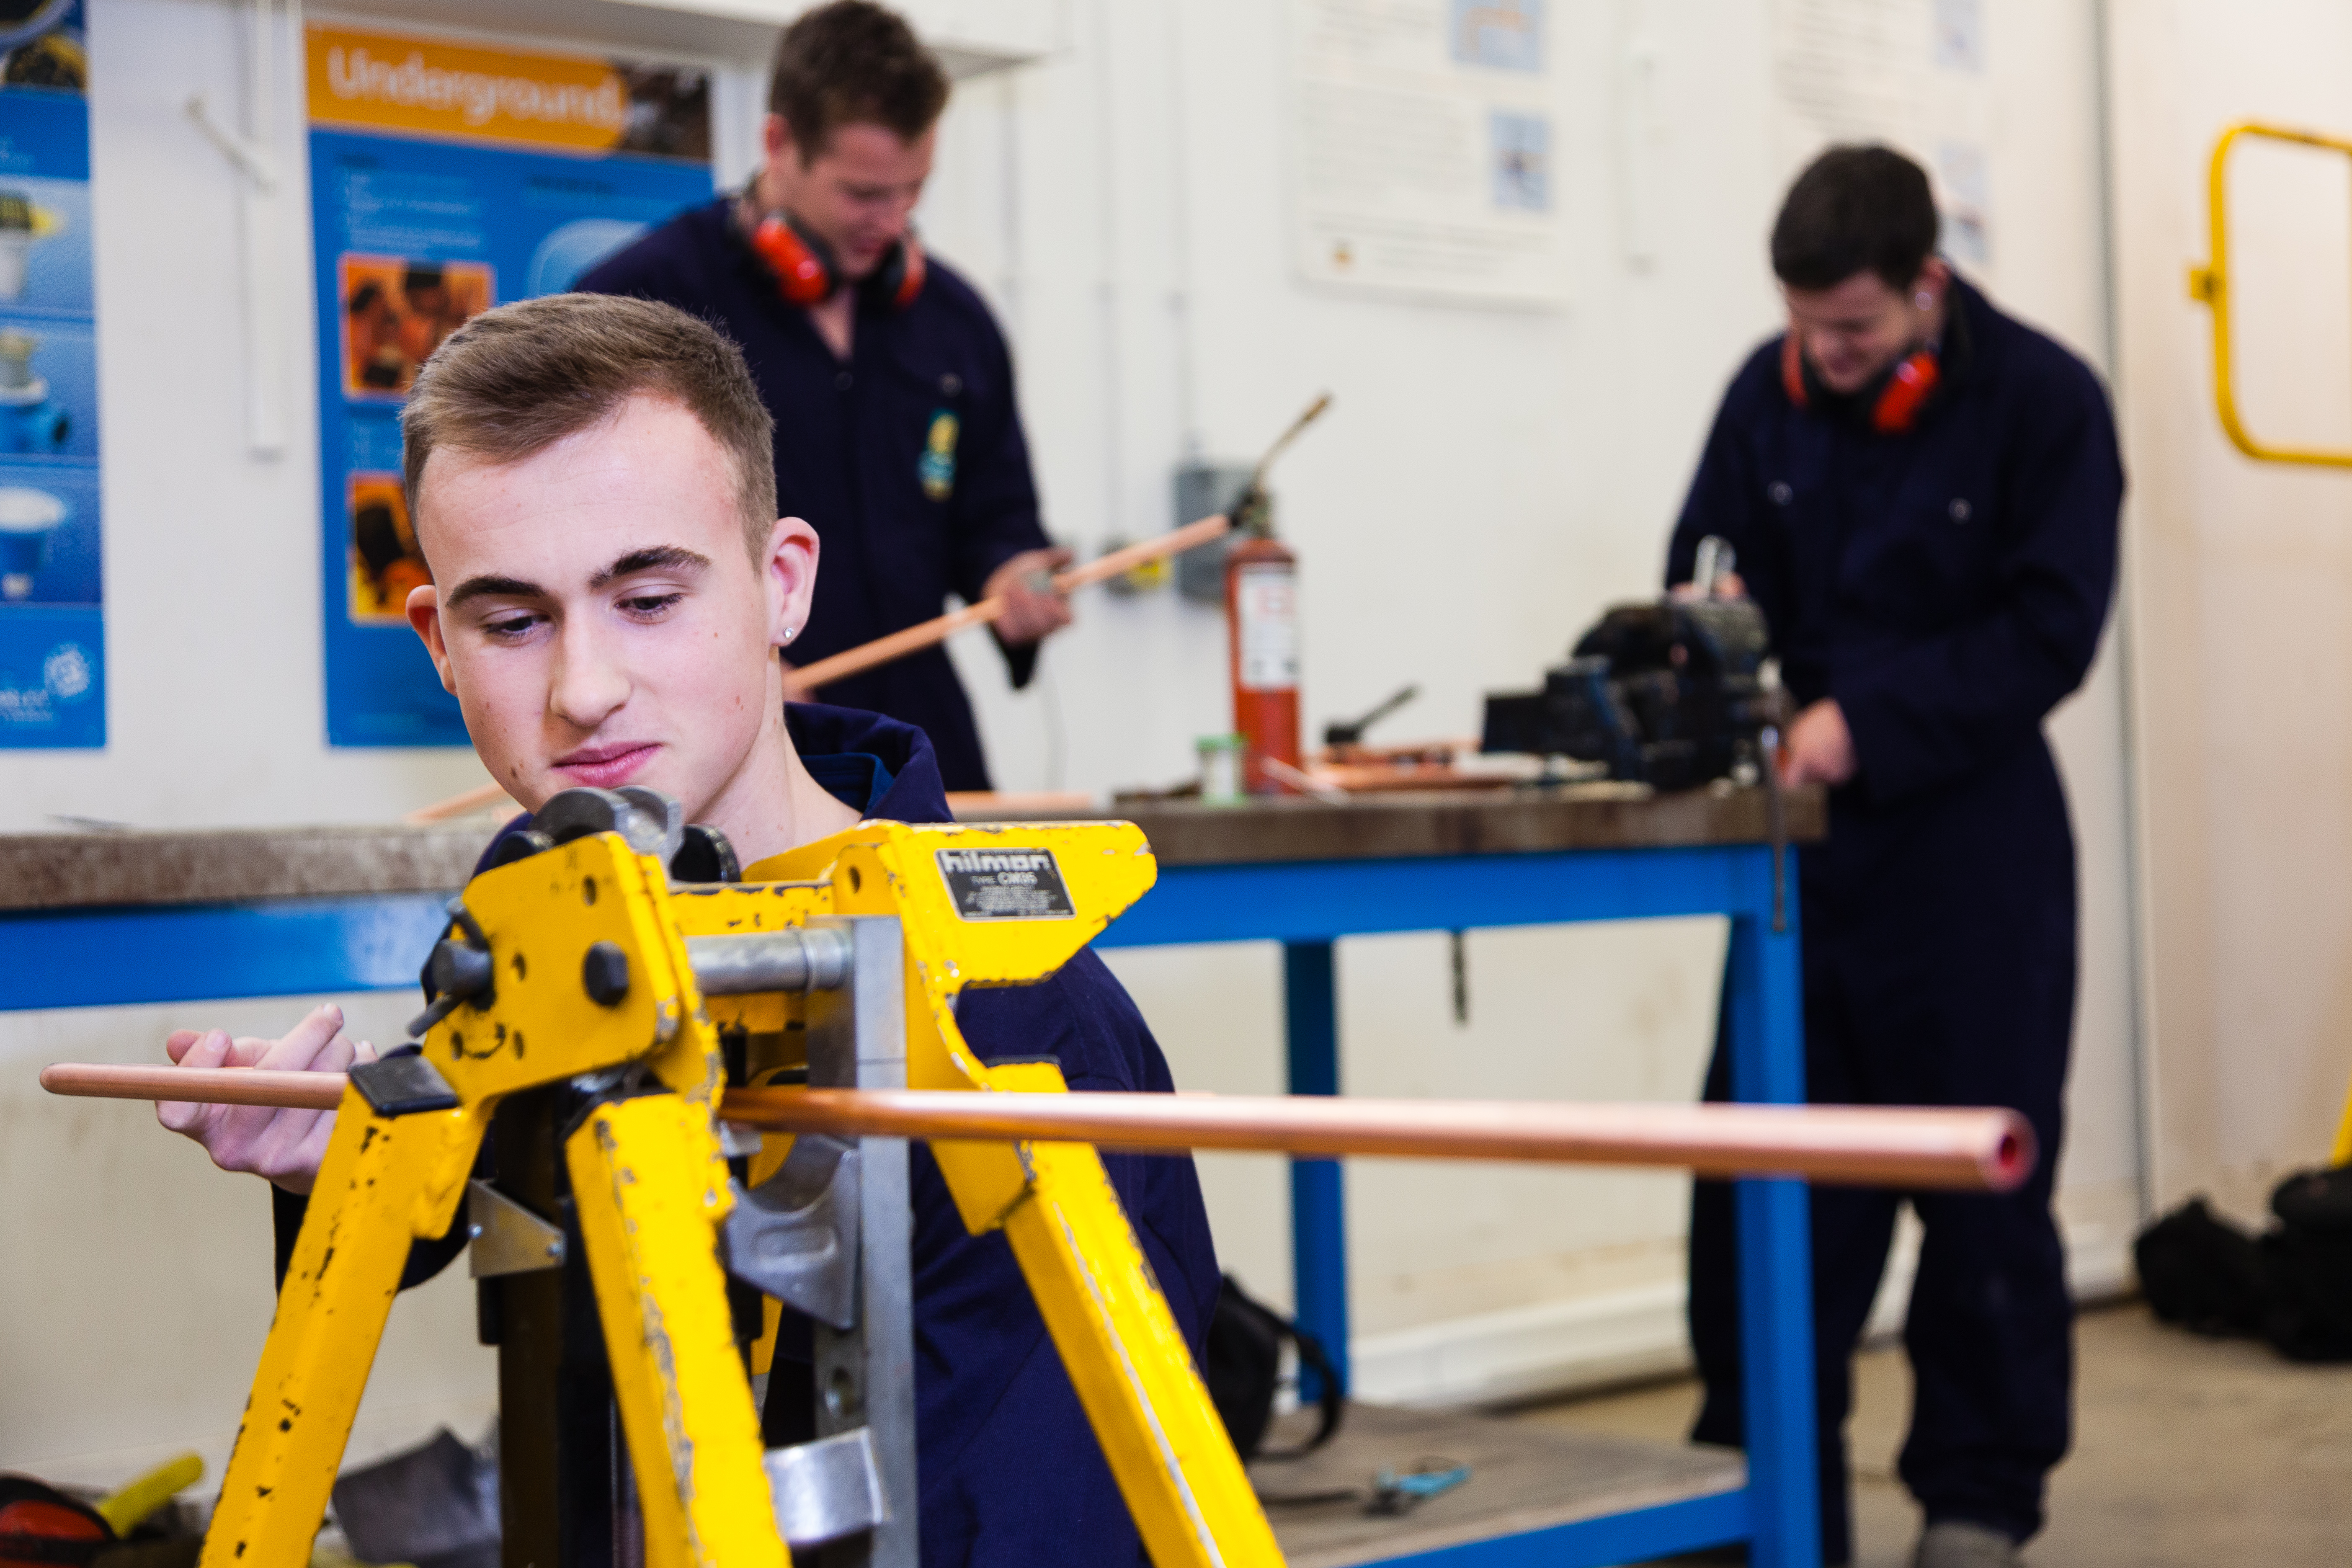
(590, 682)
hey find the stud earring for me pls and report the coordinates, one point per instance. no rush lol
(790, 632)
(1923, 299)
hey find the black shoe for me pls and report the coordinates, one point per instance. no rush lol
(1958, 1544)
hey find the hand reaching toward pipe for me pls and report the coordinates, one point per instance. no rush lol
(1032, 606)
(284, 1145)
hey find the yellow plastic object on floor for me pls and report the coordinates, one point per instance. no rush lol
(649, 1174)
(127, 1507)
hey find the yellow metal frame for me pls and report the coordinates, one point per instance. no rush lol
(2210, 286)
(2342, 1153)
(650, 1182)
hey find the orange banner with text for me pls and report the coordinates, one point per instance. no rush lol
(417, 86)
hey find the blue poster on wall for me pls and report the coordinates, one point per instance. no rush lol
(447, 178)
(52, 617)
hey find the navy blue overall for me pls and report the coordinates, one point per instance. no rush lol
(1011, 1473)
(908, 459)
(1947, 586)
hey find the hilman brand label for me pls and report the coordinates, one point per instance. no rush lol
(1005, 884)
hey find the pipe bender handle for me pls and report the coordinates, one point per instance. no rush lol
(384, 1183)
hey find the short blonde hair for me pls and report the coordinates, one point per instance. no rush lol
(516, 380)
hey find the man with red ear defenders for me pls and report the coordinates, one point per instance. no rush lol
(898, 435)
(1923, 494)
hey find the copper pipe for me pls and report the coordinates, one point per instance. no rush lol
(899, 643)
(1969, 1149)
(209, 1086)
(480, 797)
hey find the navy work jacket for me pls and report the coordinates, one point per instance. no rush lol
(1010, 1471)
(1946, 585)
(908, 459)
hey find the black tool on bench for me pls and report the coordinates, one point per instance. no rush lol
(1673, 693)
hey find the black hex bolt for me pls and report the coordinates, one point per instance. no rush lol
(605, 973)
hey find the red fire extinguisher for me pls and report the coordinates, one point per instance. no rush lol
(1261, 641)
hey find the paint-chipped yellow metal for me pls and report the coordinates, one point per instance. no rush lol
(2210, 286)
(652, 1187)
(642, 1175)
(374, 1184)
(1174, 1464)
(1134, 1374)
(388, 1181)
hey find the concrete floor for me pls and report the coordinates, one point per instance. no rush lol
(2187, 1453)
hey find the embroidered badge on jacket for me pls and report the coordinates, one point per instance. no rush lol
(937, 468)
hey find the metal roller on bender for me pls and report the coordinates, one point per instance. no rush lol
(608, 995)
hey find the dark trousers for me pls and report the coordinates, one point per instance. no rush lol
(1990, 1327)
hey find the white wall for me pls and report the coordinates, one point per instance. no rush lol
(1486, 483)
(2242, 589)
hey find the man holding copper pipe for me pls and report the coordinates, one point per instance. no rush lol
(897, 433)
(1923, 495)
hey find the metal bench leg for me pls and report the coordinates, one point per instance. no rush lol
(1776, 1316)
(1319, 1205)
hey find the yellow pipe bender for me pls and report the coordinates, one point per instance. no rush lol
(580, 979)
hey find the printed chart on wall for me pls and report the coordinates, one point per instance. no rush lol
(1910, 73)
(52, 624)
(1424, 158)
(447, 178)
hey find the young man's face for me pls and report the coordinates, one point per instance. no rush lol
(857, 191)
(1855, 330)
(597, 616)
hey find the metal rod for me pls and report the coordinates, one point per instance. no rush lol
(800, 958)
(1977, 1150)
(479, 798)
(914, 639)
(1987, 1148)
(1313, 412)
(207, 1085)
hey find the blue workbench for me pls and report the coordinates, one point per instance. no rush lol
(310, 945)
(1307, 905)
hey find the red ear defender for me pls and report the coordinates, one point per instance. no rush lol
(1793, 370)
(1908, 386)
(911, 275)
(1908, 391)
(801, 273)
(897, 278)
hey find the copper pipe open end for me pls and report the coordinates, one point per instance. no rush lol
(2013, 1157)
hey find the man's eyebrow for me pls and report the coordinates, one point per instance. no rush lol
(492, 587)
(661, 557)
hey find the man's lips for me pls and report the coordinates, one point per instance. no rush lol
(606, 767)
